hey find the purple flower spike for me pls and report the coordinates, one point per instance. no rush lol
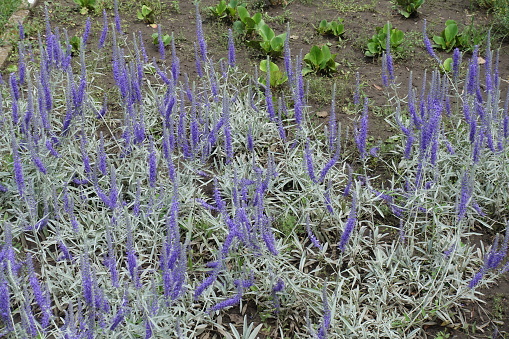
(86, 33)
(87, 279)
(18, 168)
(473, 73)
(117, 17)
(309, 162)
(113, 194)
(28, 321)
(102, 161)
(288, 56)
(152, 164)
(249, 140)
(385, 78)
(21, 62)
(104, 32)
(199, 34)
(268, 95)
(349, 183)
(362, 131)
(162, 52)
(231, 49)
(465, 195)
(207, 282)
(456, 61)
(427, 43)
(350, 224)
(21, 31)
(477, 278)
(121, 313)
(311, 236)
(322, 332)
(131, 255)
(5, 302)
(227, 303)
(332, 120)
(199, 69)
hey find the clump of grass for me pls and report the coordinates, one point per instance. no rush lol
(500, 11)
(8, 7)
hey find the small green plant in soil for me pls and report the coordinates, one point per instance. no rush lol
(86, 5)
(447, 65)
(378, 42)
(471, 36)
(320, 61)
(166, 39)
(8, 7)
(75, 43)
(224, 10)
(451, 38)
(500, 11)
(448, 39)
(246, 24)
(336, 28)
(175, 6)
(277, 78)
(146, 14)
(408, 8)
(271, 43)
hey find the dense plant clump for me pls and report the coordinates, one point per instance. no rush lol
(151, 208)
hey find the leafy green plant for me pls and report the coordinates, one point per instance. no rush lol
(471, 37)
(8, 7)
(86, 5)
(448, 39)
(246, 24)
(75, 43)
(271, 43)
(224, 10)
(277, 78)
(320, 60)
(378, 42)
(335, 28)
(166, 39)
(408, 8)
(175, 6)
(146, 14)
(447, 65)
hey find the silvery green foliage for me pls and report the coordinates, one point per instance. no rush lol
(407, 261)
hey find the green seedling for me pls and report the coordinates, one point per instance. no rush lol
(471, 37)
(75, 43)
(246, 24)
(271, 43)
(335, 28)
(166, 39)
(320, 61)
(277, 78)
(408, 8)
(146, 14)
(378, 42)
(447, 65)
(224, 10)
(448, 39)
(86, 5)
